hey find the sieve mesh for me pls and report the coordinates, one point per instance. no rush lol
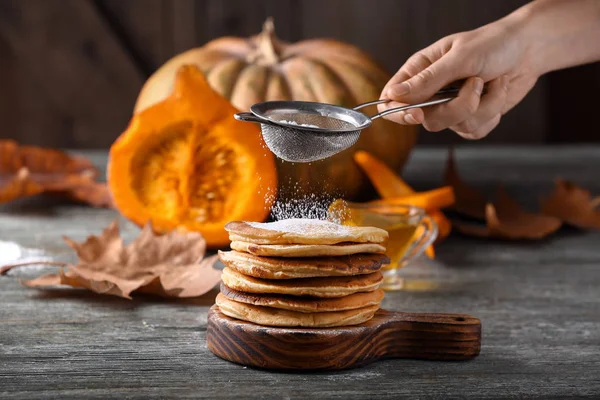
(304, 131)
(306, 145)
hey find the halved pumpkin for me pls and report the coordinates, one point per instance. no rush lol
(186, 163)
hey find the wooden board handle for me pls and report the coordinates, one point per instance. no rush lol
(427, 336)
(387, 335)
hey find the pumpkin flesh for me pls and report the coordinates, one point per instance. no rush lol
(186, 163)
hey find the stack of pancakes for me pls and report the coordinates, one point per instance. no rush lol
(302, 273)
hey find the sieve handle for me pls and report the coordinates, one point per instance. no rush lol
(249, 117)
(375, 102)
(408, 107)
(371, 103)
(450, 92)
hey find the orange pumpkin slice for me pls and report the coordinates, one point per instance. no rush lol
(186, 163)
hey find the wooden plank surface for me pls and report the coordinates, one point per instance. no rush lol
(538, 303)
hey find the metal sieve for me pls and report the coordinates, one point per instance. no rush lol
(301, 131)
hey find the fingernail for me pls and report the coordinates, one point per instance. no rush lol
(478, 86)
(409, 119)
(399, 90)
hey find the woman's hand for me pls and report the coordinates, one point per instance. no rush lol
(492, 54)
(508, 56)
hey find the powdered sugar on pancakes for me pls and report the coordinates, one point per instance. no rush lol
(301, 231)
(303, 225)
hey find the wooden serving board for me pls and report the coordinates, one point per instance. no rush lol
(449, 337)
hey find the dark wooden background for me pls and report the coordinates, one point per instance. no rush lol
(70, 70)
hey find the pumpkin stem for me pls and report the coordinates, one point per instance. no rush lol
(268, 47)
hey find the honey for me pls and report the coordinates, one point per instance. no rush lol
(410, 231)
(401, 238)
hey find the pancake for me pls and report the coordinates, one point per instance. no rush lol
(305, 304)
(291, 268)
(338, 286)
(302, 231)
(284, 318)
(307, 250)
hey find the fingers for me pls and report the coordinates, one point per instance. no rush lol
(413, 116)
(425, 82)
(519, 87)
(491, 105)
(500, 100)
(417, 63)
(456, 111)
(470, 115)
(412, 67)
(483, 130)
(440, 117)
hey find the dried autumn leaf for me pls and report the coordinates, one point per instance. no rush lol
(27, 171)
(506, 219)
(92, 193)
(572, 204)
(17, 185)
(469, 201)
(169, 265)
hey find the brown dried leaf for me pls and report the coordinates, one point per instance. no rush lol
(45, 280)
(572, 204)
(469, 201)
(95, 194)
(18, 185)
(27, 170)
(167, 265)
(506, 219)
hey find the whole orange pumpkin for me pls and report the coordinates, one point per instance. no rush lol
(261, 68)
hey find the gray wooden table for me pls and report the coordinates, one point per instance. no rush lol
(539, 304)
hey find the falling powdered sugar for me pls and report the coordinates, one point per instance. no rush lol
(297, 200)
(306, 207)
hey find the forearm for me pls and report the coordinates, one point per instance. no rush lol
(560, 33)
